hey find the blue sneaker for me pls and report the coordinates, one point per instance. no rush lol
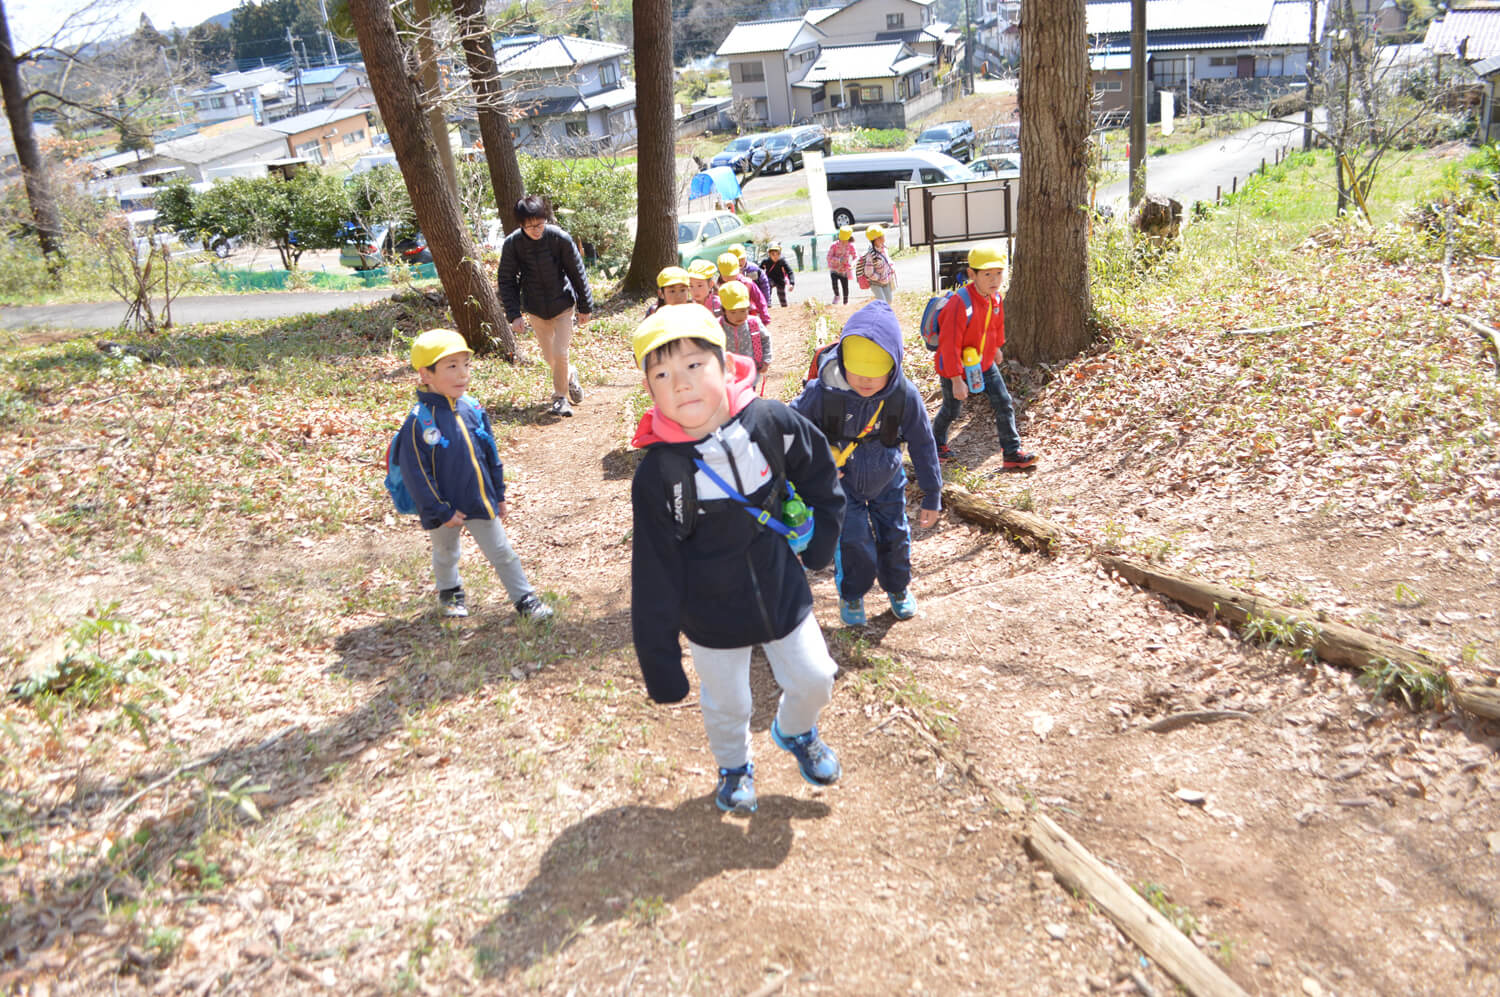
(819, 765)
(736, 792)
(904, 604)
(852, 611)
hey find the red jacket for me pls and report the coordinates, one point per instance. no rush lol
(984, 330)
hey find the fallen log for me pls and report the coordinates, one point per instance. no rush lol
(1334, 642)
(1480, 700)
(1030, 531)
(1076, 867)
(1177, 720)
(1488, 335)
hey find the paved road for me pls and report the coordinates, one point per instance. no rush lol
(191, 311)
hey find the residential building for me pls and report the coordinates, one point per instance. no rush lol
(327, 135)
(571, 94)
(879, 85)
(257, 92)
(1469, 34)
(1227, 49)
(197, 153)
(871, 61)
(325, 84)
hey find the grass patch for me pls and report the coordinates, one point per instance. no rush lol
(1419, 687)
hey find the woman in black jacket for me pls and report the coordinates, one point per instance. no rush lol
(542, 282)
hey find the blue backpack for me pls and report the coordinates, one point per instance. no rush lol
(929, 326)
(400, 497)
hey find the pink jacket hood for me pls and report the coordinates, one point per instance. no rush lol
(740, 383)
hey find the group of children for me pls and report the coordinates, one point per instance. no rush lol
(874, 267)
(737, 496)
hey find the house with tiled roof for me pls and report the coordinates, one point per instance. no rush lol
(570, 93)
(1247, 47)
(878, 67)
(261, 94)
(1469, 34)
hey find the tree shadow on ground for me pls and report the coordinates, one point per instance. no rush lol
(627, 862)
(414, 663)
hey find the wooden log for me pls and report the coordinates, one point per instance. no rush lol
(1030, 531)
(1480, 700)
(1267, 330)
(1074, 866)
(1488, 334)
(1334, 642)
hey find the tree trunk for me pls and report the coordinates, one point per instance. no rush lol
(427, 58)
(1048, 306)
(472, 296)
(656, 167)
(489, 103)
(38, 191)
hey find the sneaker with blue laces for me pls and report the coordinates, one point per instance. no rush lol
(736, 792)
(852, 611)
(903, 604)
(819, 765)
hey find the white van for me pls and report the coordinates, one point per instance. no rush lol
(862, 187)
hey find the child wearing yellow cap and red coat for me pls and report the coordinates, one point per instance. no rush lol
(672, 288)
(866, 409)
(450, 465)
(706, 565)
(974, 323)
(841, 257)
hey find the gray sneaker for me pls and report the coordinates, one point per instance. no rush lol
(560, 406)
(452, 601)
(532, 608)
(575, 390)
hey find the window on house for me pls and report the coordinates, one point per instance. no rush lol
(609, 74)
(351, 138)
(762, 109)
(1166, 72)
(871, 95)
(747, 72)
(893, 21)
(1106, 86)
(1221, 60)
(217, 102)
(311, 150)
(576, 129)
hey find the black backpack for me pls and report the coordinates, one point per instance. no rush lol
(836, 407)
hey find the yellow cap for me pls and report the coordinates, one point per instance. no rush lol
(873, 232)
(729, 264)
(734, 295)
(846, 234)
(434, 344)
(774, 247)
(670, 276)
(865, 357)
(703, 270)
(669, 322)
(737, 250)
(986, 258)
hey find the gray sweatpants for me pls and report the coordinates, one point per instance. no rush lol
(803, 668)
(490, 536)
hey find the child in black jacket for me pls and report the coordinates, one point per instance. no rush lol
(707, 561)
(779, 272)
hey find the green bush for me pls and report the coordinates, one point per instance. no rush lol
(866, 139)
(592, 200)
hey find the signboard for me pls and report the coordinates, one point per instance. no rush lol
(1168, 111)
(817, 191)
(961, 211)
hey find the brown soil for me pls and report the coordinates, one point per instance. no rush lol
(486, 807)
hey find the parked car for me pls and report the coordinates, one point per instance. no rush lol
(368, 250)
(1000, 138)
(862, 187)
(703, 235)
(952, 138)
(779, 154)
(737, 153)
(1002, 165)
(783, 151)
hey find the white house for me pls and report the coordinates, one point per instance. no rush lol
(571, 94)
(234, 95)
(871, 62)
(197, 153)
(326, 84)
(327, 135)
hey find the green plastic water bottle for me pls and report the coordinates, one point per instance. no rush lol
(795, 513)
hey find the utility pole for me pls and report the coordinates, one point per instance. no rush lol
(297, 99)
(598, 31)
(333, 52)
(1314, 57)
(969, 45)
(1137, 163)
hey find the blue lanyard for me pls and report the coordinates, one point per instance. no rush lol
(760, 515)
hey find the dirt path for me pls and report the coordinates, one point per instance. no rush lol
(488, 807)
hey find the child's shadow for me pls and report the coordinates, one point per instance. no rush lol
(632, 862)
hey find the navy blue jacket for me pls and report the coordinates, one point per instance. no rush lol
(459, 472)
(872, 467)
(542, 277)
(730, 582)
